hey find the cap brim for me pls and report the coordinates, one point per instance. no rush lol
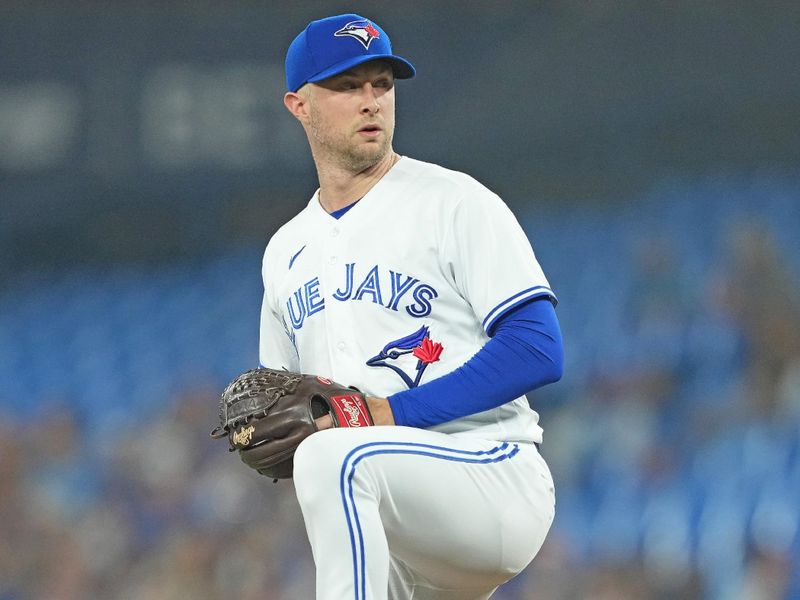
(401, 67)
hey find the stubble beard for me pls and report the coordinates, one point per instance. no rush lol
(339, 148)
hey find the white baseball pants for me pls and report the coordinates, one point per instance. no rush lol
(399, 513)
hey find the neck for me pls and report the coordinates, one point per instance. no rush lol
(339, 187)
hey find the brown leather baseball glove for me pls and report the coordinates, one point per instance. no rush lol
(266, 413)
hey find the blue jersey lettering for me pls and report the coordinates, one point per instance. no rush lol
(423, 295)
(399, 289)
(297, 319)
(371, 285)
(309, 299)
(315, 302)
(344, 295)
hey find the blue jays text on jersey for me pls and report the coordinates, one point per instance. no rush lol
(389, 288)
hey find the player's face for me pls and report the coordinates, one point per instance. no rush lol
(351, 116)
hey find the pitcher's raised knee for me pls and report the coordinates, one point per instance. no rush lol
(318, 462)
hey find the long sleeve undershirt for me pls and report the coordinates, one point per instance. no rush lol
(524, 352)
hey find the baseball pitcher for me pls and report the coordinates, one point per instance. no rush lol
(404, 318)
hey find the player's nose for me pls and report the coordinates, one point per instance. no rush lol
(369, 102)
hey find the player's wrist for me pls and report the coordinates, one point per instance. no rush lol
(381, 410)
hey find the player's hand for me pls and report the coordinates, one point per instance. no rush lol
(324, 422)
(379, 407)
(266, 413)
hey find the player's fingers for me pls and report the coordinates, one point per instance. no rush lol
(324, 422)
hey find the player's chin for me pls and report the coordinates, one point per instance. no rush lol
(372, 149)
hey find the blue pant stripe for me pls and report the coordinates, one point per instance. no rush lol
(406, 444)
(467, 456)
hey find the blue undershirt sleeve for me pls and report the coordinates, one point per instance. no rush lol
(525, 352)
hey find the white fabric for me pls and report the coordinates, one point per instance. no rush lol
(427, 247)
(403, 289)
(398, 513)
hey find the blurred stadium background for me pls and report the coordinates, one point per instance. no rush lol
(651, 151)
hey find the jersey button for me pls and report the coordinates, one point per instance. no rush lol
(341, 346)
(334, 232)
(332, 260)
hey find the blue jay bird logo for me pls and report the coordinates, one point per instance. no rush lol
(363, 31)
(418, 344)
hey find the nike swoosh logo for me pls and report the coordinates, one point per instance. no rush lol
(291, 260)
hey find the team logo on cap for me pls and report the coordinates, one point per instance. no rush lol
(363, 31)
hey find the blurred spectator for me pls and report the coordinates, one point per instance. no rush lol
(764, 297)
(767, 577)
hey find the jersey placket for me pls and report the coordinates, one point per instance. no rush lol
(333, 269)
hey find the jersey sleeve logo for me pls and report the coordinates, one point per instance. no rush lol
(363, 31)
(418, 345)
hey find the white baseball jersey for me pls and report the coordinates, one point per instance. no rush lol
(401, 290)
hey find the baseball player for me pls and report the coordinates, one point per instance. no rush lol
(416, 285)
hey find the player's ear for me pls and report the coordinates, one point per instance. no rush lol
(297, 104)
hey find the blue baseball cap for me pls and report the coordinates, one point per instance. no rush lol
(329, 46)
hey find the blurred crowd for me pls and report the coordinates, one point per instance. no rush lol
(707, 380)
(696, 424)
(161, 512)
